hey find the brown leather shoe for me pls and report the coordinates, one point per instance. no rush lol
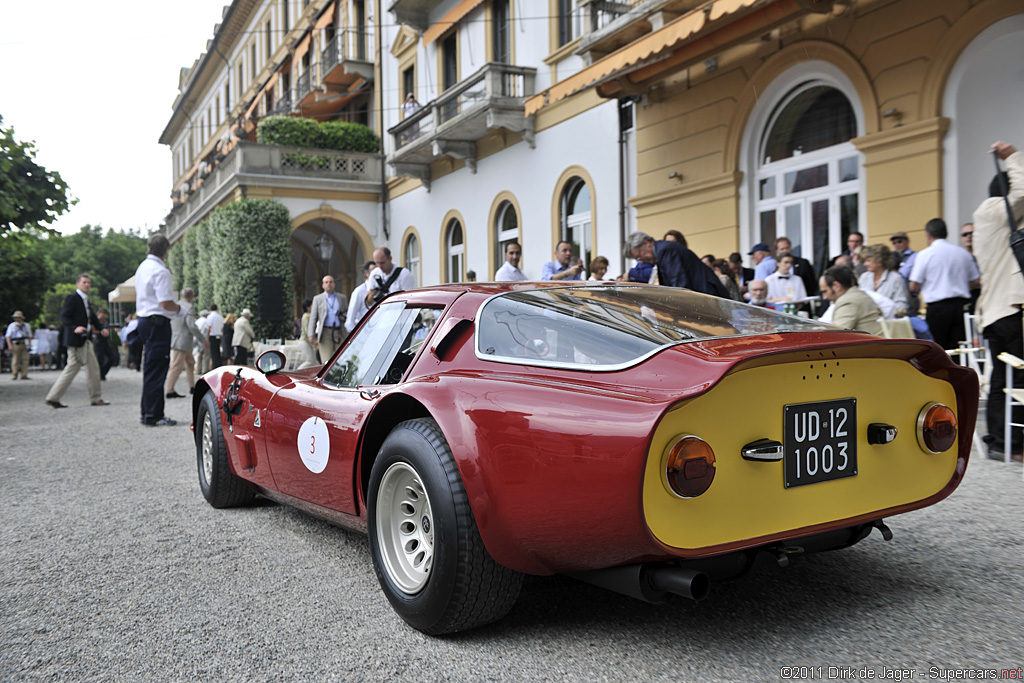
(55, 404)
(101, 402)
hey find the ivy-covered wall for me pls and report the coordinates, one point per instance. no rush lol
(250, 239)
(224, 257)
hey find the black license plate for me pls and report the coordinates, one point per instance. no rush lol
(820, 441)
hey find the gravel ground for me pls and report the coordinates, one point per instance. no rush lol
(114, 568)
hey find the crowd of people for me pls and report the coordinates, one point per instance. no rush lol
(862, 285)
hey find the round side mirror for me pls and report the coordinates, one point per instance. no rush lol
(271, 361)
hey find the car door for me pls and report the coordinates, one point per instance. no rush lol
(314, 425)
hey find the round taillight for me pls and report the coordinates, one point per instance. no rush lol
(936, 428)
(689, 466)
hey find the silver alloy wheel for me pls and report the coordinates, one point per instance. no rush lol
(405, 528)
(207, 447)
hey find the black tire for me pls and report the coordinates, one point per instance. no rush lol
(458, 585)
(220, 486)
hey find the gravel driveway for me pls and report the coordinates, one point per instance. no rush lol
(114, 568)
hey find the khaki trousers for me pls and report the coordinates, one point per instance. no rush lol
(19, 359)
(180, 360)
(78, 357)
(203, 360)
(330, 339)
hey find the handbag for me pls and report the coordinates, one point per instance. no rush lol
(1016, 236)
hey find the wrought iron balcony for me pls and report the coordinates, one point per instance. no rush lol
(493, 97)
(305, 83)
(252, 165)
(348, 57)
(283, 106)
(610, 24)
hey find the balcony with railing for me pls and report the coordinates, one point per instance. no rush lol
(283, 106)
(608, 25)
(347, 58)
(252, 165)
(305, 84)
(492, 98)
(413, 12)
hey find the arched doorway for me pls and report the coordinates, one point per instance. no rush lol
(982, 107)
(349, 245)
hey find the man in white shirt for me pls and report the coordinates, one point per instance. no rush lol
(201, 349)
(357, 302)
(509, 271)
(944, 274)
(386, 277)
(155, 307)
(783, 285)
(216, 330)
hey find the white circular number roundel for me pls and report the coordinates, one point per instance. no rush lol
(314, 444)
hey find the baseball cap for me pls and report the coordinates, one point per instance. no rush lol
(760, 246)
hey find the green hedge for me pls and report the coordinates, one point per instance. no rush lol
(206, 291)
(298, 132)
(250, 239)
(176, 264)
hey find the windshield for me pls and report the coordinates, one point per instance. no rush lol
(611, 327)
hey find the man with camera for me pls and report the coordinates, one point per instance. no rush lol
(79, 322)
(386, 278)
(18, 336)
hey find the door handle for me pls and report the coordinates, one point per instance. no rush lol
(369, 394)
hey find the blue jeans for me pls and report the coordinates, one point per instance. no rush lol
(156, 340)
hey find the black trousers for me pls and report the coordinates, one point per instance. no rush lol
(215, 360)
(156, 341)
(1006, 335)
(945, 320)
(241, 355)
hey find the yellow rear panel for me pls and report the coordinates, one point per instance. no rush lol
(748, 499)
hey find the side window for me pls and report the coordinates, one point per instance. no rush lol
(384, 347)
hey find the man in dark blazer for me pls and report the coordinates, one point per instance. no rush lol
(79, 321)
(677, 265)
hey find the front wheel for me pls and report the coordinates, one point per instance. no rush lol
(220, 486)
(427, 551)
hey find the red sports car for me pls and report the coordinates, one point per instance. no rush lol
(646, 439)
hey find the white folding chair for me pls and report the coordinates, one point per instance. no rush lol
(898, 328)
(976, 353)
(1014, 397)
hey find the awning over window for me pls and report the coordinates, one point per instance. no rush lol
(441, 26)
(709, 27)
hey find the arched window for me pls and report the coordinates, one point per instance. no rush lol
(575, 218)
(808, 173)
(506, 229)
(412, 257)
(456, 251)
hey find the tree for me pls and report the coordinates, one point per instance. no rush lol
(23, 277)
(29, 194)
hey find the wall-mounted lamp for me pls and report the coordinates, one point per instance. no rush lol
(676, 175)
(893, 113)
(710, 65)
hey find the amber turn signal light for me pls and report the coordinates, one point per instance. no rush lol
(936, 428)
(689, 466)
